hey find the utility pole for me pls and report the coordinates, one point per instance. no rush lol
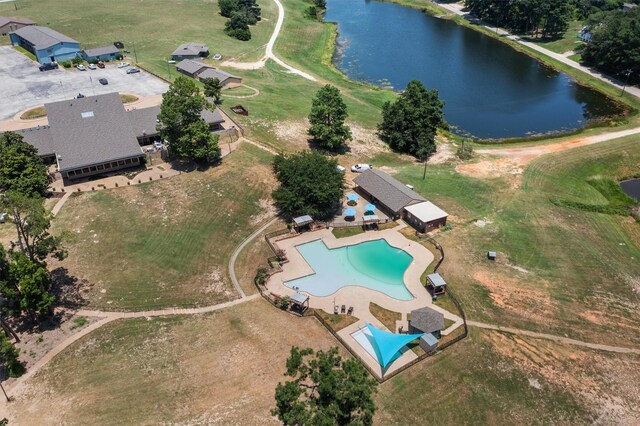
(169, 70)
(626, 81)
(135, 54)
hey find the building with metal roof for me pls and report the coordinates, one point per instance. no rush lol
(190, 51)
(9, 25)
(386, 192)
(425, 216)
(46, 44)
(436, 283)
(199, 70)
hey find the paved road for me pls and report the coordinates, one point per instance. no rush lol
(560, 339)
(23, 86)
(457, 8)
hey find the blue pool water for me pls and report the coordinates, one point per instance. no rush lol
(372, 264)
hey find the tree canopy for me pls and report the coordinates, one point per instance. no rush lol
(328, 113)
(324, 390)
(182, 125)
(546, 18)
(212, 88)
(310, 183)
(238, 26)
(21, 169)
(410, 123)
(615, 43)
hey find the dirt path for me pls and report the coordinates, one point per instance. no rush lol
(534, 151)
(269, 52)
(255, 93)
(554, 338)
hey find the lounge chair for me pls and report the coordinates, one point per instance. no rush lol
(335, 310)
(343, 309)
(350, 311)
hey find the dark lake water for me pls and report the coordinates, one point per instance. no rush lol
(490, 90)
(631, 188)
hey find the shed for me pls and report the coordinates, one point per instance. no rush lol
(425, 216)
(302, 221)
(436, 283)
(300, 302)
(426, 320)
(428, 342)
(492, 255)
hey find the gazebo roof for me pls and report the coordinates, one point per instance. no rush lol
(436, 279)
(387, 345)
(299, 298)
(302, 220)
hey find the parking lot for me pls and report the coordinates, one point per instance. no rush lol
(23, 85)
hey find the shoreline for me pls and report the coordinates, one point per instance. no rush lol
(630, 105)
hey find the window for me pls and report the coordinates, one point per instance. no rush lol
(71, 173)
(114, 164)
(92, 168)
(127, 161)
(121, 162)
(100, 167)
(107, 166)
(85, 170)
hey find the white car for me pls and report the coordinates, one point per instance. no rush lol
(81, 67)
(92, 67)
(359, 168)
(123, 64)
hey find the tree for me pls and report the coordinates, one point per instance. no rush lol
(615, 44)
(9, 358)
(32, 224)
(310, 183)
(181, 123)
(324, 390)
(328, 113)
(212, 88)
(411, 122)
(238, 26)
(21, 169)
(227, 7)
(251, 10)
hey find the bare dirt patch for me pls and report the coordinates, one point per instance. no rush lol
(511, 168)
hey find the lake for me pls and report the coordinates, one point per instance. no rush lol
(631, 188)
(490, 90)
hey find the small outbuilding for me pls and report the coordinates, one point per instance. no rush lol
(428, 343)
(199, 70)
(426, 320)
(436, 284)
(105, 53)
(9, 25)
(299, 302)
(301, 222)
(425, 216)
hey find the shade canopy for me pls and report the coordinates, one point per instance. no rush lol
(387, 345)
(352, 197)
(370, 207)
(350, 212)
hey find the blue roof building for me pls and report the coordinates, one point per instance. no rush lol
(46, 44)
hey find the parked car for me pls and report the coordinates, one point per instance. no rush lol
(49, 66)
(340, 168)
(81, 67)
(103, 81)
(100, 64)
(123, 64)
(359, 168)
(132, 70)
(171, 61)
(92, 67)
(80, 95)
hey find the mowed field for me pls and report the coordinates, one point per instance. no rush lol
(223, 368)
(154, 28)
(562, 268)
(166, 243)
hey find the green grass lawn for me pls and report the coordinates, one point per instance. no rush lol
(166, 243)
(347, 232)
(154, 28)
(563, 267)
(568, 41)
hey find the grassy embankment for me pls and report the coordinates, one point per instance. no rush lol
(197, 370)
(567, 263)
(166, 243)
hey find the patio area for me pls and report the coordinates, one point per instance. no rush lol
(356, 217)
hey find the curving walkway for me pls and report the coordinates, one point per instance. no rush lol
(269, 52)
(255, 93)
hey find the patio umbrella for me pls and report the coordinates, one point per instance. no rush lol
(352, 197)
(369, 207)
(350, 212)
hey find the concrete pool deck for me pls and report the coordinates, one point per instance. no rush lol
(360, 297)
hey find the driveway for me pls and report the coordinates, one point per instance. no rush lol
(23, 85)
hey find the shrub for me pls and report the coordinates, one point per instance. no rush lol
(465, 150)
(261, 276)
(66, 64)
(77, 60)
(281, 253)
(283, 302)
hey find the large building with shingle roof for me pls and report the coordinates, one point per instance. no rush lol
(95, 135)
(46, 44)
(190, 51)
(199, 70)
